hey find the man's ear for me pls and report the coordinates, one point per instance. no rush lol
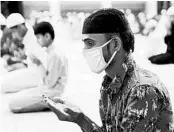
(47, 35)
(118, 43)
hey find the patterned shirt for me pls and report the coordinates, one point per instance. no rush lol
(140, 103)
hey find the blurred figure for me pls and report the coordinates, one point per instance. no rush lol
(132, 21)
(155, 36)
(2, 24)
(75, 25)
(163, 23)
(141, 19)
(12, 52)
(54, 76)
(33, 18)
(45, 17)
(24, 33)
(150, 26)
(168, 57)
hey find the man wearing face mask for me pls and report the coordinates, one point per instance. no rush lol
(132, 99)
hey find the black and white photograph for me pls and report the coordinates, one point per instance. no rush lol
(87, 66)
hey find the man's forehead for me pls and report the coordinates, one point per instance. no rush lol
(95, 37)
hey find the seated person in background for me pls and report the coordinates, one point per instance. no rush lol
(168, 57)
(8, 47)
(54, 76)
(150, 27)
(2, 24)
(22, 31)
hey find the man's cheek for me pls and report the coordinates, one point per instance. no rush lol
(38, 41)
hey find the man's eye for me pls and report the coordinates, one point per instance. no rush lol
(89, 43)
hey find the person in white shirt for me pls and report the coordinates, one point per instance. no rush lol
(54, 74)
(11, 82)
(22, 31)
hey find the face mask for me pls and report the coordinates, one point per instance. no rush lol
(95, 59)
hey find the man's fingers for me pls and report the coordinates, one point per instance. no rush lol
(58, 100)
(69, 111)
(50, 104)
(58, 110)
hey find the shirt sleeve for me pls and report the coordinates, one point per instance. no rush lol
(54, 70)
(144, 105)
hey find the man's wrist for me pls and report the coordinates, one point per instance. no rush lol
(82, 120)
(84, 123)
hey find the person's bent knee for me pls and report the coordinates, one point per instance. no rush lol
(17, 106)
(14, 107)
(15, 110)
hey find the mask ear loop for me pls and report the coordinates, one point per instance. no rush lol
(113, 55)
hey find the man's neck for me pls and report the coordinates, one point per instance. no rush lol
(115, 70)
(51, 42)
(116, 67)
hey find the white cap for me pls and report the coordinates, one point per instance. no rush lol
(14, 19)
(151, 23)
(170, 11)
(2, 19)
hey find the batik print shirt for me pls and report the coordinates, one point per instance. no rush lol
(140, 104)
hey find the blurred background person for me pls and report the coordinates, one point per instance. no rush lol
(54, 76)
(12, 52)
(168, 57)
(24, 34)
(141, 19)
(2, 23)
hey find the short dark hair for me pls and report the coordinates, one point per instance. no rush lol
(43, 28)
(127, 38)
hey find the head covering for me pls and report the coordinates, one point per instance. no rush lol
(14, 19)
(170, 11)
(2, 19)
(106, 21)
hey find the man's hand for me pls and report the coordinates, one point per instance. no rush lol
(64, 110)
(35, 60)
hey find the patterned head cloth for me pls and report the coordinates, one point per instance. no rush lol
(106, 21)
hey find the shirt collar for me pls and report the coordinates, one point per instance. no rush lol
(113, 85)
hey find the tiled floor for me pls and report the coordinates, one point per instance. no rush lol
(82, 85)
